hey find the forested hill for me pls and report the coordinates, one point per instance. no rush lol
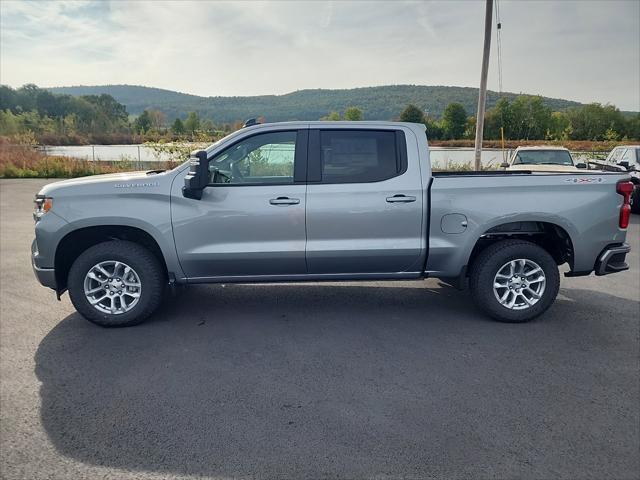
(377, 103)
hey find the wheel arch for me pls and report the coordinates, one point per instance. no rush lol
(79, 240)
(552, 237)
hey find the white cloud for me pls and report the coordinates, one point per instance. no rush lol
(588, 51)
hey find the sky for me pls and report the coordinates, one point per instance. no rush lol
(587, 51)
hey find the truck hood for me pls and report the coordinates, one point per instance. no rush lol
(544, 168)
(125, 181)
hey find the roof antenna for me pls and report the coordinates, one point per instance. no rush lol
(250, 123)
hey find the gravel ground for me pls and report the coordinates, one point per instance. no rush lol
(357, 380)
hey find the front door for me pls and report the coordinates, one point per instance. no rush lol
(251, 218)
(364, 202)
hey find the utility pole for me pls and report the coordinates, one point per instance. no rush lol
(482, 94)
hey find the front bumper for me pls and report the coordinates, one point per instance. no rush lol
(612, 259)
(46, 276)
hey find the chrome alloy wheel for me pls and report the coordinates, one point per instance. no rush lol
(519, 284)
(112, 287)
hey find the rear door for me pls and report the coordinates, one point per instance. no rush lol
(364, 201)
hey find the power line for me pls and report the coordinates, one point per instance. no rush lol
(499, 51)
(499, 44)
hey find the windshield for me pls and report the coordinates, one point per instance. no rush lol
(543, 157)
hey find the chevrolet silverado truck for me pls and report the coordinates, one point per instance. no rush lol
(314, 201)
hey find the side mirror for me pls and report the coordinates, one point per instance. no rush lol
(198, 177)
(581, 165)
(504, 165)
(624, 164)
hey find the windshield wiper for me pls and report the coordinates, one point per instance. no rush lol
(159, 170)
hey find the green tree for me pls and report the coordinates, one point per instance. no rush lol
(333, 116)
(47, 111)
(208, 126)
(560, 128)
(8, 98)
(499, 116)
(115, 112)
(192, 123)
(142, 124)
(540, 118)
(593, 121)
(412, 114)
(9, 124)
(454, 121)
(434, 130)
(611, 135)
(529, 119)
(70, 124)
(470, 127)
(353, 114)
(633, 127)
(178, 127)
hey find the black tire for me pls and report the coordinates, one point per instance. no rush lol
(145, 264)
(492, 259)
(635, 199)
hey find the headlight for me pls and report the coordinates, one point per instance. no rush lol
(43, 205)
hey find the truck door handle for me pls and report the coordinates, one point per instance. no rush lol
(399, 198)
(284, 201)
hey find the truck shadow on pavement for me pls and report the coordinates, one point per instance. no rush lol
(357, 381)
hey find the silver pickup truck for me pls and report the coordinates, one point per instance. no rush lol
(311, 201)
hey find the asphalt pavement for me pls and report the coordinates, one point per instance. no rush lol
(358, 380)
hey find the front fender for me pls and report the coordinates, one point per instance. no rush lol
(161, 233)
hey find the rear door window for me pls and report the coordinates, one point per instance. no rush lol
(359, 156)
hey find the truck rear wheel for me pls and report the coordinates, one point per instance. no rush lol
(116, 283)
(514, 280)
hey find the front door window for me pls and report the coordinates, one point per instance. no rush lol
(267, 158)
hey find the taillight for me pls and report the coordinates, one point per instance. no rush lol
(625, 189)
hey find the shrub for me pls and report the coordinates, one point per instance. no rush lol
(19, 161)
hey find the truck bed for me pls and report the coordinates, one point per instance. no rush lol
(584, 205)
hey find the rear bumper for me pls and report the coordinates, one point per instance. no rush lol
(612, 259)
(46, 276)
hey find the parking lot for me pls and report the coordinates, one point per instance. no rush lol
(357, 380)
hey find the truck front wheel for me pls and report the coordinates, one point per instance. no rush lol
(116, 283)
(514, 280)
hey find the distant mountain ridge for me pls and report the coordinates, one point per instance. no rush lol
(377, 103)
